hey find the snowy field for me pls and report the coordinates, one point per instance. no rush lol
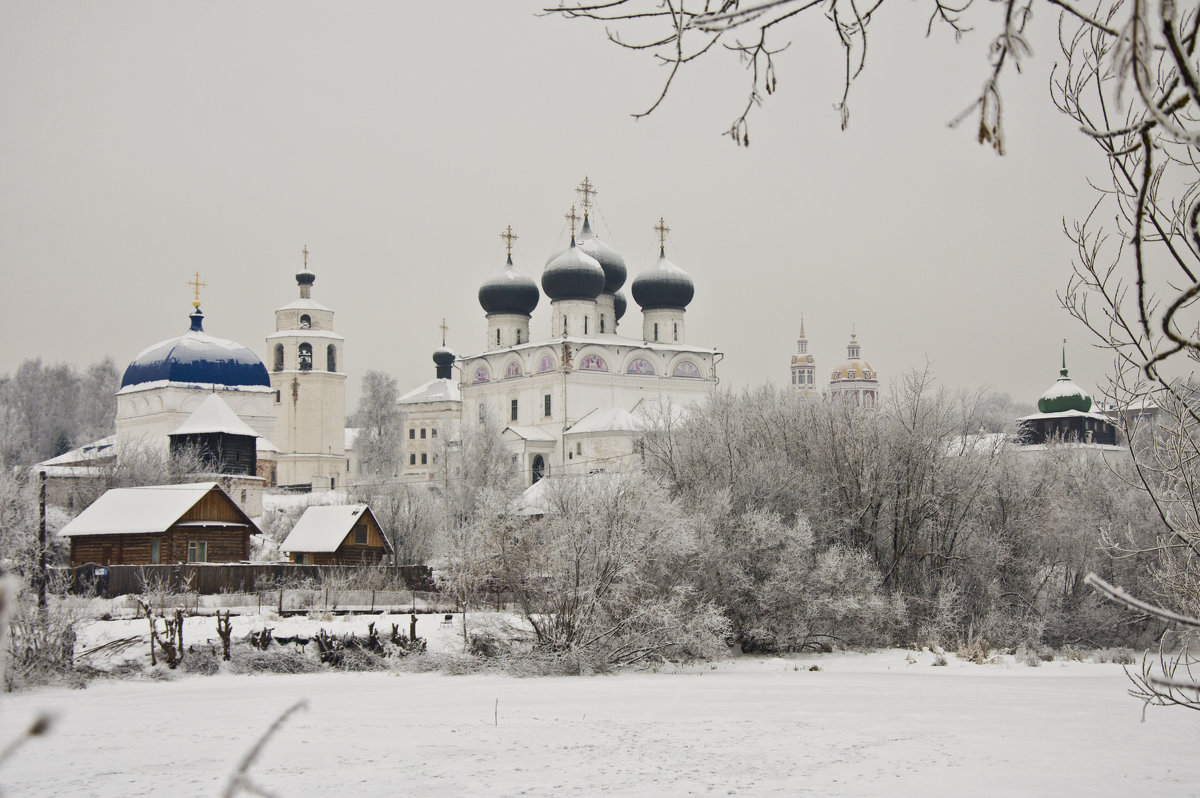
(864, 725)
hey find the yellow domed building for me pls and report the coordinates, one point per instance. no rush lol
(854, 381)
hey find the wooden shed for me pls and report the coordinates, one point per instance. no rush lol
(161, 524)
(345, 534)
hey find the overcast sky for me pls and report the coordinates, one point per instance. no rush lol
(144, 141)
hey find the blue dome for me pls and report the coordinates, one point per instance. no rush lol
(196, 357)
(663, 285)
(573, 274)
(509, 292)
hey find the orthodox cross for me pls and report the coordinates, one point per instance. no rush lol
(305, 251)
(444, 328)
(509, 236)
(587, 190)
(574, 217)
(196, 286)
(662, 230)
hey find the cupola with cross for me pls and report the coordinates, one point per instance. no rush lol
(663, 291)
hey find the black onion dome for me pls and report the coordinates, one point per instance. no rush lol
(197, 358)
(620, 303)
(610, 260)
(443, 356)
(305, 277)
(509, 292)
(573, 274)
(663, 285)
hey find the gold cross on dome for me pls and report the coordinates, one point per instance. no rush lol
(196, 286)
(662, 230)
(509, 236)
(574, 218)
(305, 251)
(587, 190)
(444, 328)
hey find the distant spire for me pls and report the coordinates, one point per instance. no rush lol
(801, 325)
(196, 286)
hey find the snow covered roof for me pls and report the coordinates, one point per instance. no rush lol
(309, 333)
(530, 433)
(1067, 414)
(213, 415)
(436, 390)
(606, 419)
(85, 455)
(197, 357)
(304, 304)
(322, 529)
(146, 510)
(264, 445)
(601, 339)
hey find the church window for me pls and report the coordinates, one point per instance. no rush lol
(564, 325)
(331, 358)
(640, 365)
(513, 411)
(306, 357)
(513, 369)
(422, 433)
(546, 405)
(593, 363)
(279, 357)
(424, 458)
(482, 412)
(497, 336)
(412, 459)
(676, 331)
(601, 322)
(305, 322)
(655, 331)
(585, 321)
(412, 434)
(277, 397)
(433, 432)
(686, 368)
(518, 336)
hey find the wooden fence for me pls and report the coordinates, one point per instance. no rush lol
(203, 579)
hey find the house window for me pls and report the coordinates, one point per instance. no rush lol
(424, 458)
(513, 411)
(578, 448)
(412, 434)
(331, 358)
(197, 551)
(279, 357)
(546, 405)
(155, 550)
(306, 357)
(412, 459)
(360, 534)
(305, 322)
(422, 433)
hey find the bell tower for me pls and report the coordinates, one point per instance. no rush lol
(305, 358)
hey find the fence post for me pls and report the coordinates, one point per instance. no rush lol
(372, 599)
(280, 602)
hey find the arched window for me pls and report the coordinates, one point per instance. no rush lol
(593, 363)
(305, 322)
(279, 357)
(545, 364)
(601, 323)
(513, 369)
(655, 331)
(481, 375)
(306, 357)
(497, 336)
(686, 368)
(639, 365)
(539, 468)
(331, 358)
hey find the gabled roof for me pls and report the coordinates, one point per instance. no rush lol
(529, 433)
(148, 510)
(88, 454)
(213, 415)
(322, 529)
(436, 390)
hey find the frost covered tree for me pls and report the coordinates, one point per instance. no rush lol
(380, 424)
(47, 410)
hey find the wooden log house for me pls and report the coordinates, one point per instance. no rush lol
(161, 524)
(345, 534)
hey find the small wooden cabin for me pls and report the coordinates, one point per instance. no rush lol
(161, 524)
(345, 534)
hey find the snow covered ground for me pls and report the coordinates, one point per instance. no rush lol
(864, 725)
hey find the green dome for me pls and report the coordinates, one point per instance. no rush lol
(1064, 395)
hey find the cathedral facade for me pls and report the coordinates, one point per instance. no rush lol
(573, 399)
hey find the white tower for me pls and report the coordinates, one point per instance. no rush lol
(804, 370)
(305, 356)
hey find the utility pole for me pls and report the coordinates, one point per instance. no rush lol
(41, 574)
